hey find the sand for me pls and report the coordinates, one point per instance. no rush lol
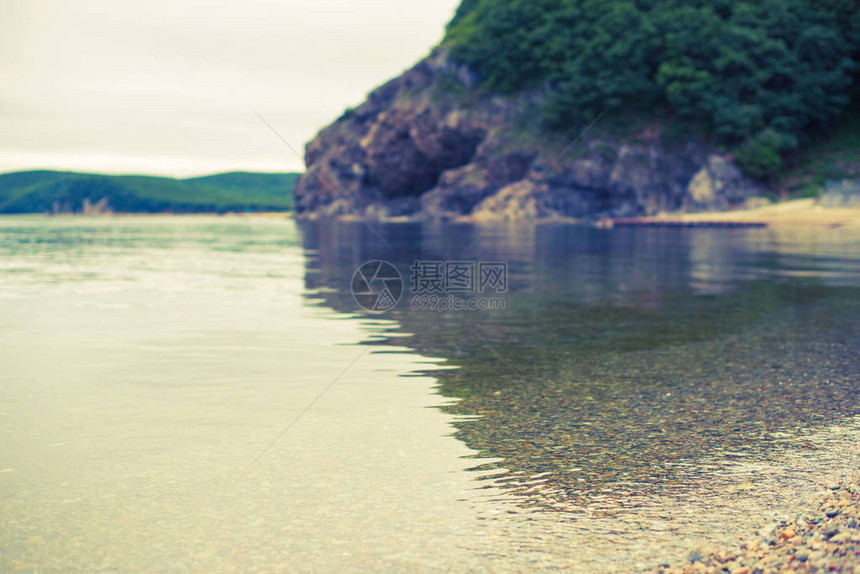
(800, 212)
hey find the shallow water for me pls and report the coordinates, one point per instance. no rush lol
(641, 391)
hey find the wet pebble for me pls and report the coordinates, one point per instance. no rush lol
(823, 542)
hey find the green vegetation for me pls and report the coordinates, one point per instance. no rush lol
(46, 191)
(759, 156)
(831, 154)
(759, 75)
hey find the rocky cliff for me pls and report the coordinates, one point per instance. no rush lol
(431, 144)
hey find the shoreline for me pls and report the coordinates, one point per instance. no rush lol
(798, 212)
(818, 482)
(284, 214)
(805, 213)
(824, 538)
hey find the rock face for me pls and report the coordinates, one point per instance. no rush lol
(431, 145)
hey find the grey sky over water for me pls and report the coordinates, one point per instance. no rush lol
(166, 86)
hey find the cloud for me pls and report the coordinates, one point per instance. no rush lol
(165, 86)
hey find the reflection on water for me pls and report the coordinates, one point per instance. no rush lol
(629, 361)
(644, 375)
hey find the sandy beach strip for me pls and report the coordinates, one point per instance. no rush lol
(799, 212)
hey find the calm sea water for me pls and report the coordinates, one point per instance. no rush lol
(204, 394)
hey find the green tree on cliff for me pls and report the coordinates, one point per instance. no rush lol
(760, 73)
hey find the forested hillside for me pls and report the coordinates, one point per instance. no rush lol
(760, 76)
(66, 192)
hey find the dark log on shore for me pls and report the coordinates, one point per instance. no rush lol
(643, 222)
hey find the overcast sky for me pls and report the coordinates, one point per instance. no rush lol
(166, 86)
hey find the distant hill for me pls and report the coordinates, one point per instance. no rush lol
(70, 192)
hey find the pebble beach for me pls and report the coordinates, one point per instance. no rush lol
(825, 539)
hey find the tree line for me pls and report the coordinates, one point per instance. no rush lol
(760, 75)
